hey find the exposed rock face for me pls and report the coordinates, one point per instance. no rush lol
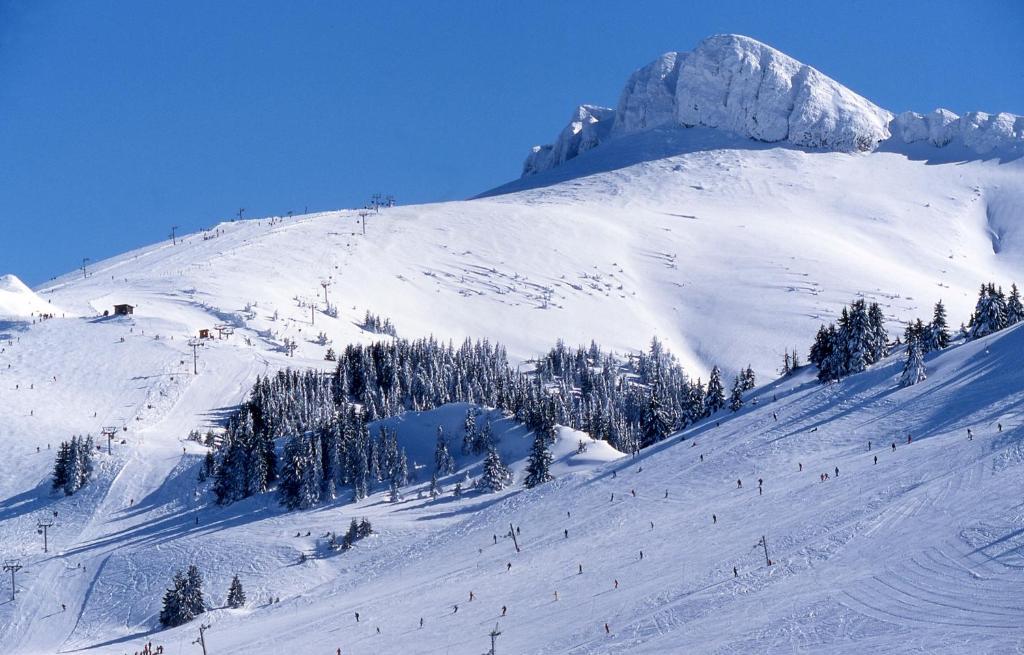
(741, 85)
(649, 99)
(744, 86)
(589, 126)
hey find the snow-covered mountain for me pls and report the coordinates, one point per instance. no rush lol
(730, 234)
(736, 83)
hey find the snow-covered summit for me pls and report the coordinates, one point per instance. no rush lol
(735, 83)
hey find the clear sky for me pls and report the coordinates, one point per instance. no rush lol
(119, 119)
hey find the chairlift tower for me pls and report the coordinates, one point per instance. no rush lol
(109, 432)
(13, 566)
(195, 343)
(42, 526)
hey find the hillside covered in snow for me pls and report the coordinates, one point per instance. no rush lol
(731, 205)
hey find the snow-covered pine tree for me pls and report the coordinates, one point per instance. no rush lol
(878, 338)
(989, 313)
(61, 465)
(736, 397)
(236, 595)
(192, 598)
(913, 369)
(785, 370)
(173, 612)
(938, 329)
(748, 379)
(443, 461)
(714, 399)
(538, 469)
(469, 435)
(1014, 307)
(495, 476)
(655, 424)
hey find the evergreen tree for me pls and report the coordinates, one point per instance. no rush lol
(443, 461)
(655, 422)
(470, 436)
(495, 476)
(913, 369)
(539, 465)
(748, 379)
(60, 466)
(1014, 307)
(736, 397)
(236, 595)
(192, 599)
(938, 329)
(714, 399)
(989, 313)
(173, 612)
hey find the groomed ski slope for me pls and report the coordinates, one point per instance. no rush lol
(919, 553)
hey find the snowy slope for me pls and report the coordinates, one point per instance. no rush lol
(920, 548)
(728, 249)
(18, 302)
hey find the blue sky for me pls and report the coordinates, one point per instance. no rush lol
(120, 119)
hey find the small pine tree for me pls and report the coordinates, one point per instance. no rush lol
(495, 475)
(913, 370)
(938, 329)
(443, 461)
(714, 398)
(236, 595)
(1014, 307)
(538, 470)
(173, 612)
(736, 397)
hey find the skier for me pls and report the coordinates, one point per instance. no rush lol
(556, 595)
(970, 435)
(908, 438)
(641, 554)
(568, 515)
(739, 484)
(456, 610)
(503, 610)
(666, 493)
(581, 570)
(607, 630)
(837, 471)
(471, 596)
(615, 474)
(378, 629)
(63, 607)
(876, 459)
(735, 573)
(508, 567)
(652, 525)
(566, 531)
(616, 584)
(760, 481)
(421, 621)
(800, 466)
(1000, 426)
(760, 491)
(702, 457)
(714, 518)
(775, 416)
(612, 498)
(357, 617)
(633, 491)
(869, 446)
(894, 446)
(495, 540)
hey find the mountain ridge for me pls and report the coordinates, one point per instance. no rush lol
(738, 84)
